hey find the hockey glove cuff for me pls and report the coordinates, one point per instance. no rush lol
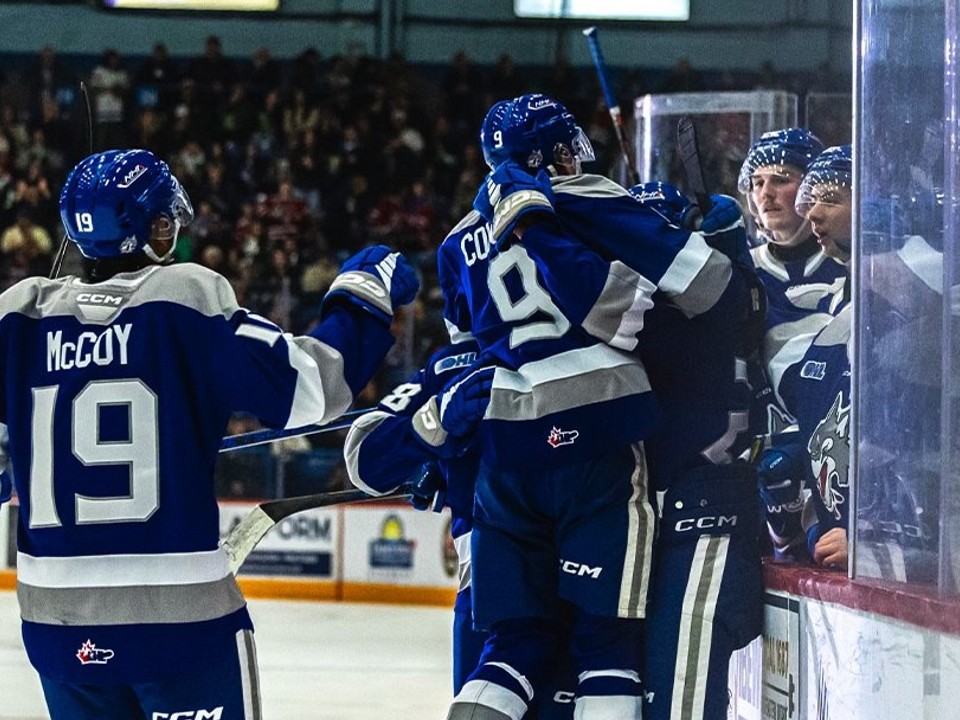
(428, 491)
(510, 193)
(377, 279)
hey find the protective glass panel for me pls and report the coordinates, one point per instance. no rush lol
(905, 386)
(727, 124)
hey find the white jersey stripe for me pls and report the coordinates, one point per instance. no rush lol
(122, 570)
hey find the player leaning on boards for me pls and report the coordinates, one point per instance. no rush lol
(115, 391)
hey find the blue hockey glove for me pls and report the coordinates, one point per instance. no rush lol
(510, 192)
(724, 213)
(6, 487)
(377, 279)
(428, 491)
(667, 201)
(446, 421)
(780, 475)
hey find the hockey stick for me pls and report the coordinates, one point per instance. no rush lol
(612, 106)
(248, 532)
(259, 437)
(690, 157)
(62, 250)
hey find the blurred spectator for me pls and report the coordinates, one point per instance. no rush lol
(213, 73)
(263, 75)
(49, 80)
(156, 80)
(26, 247)
(464, 95)
(683, 77)
(505, 80)
(109, 86)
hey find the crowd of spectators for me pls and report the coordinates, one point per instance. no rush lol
(291, 165)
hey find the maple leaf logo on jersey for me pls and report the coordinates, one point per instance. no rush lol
(829, 449)
(558, 437)
(90, 654)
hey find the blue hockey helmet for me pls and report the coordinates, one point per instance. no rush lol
(539, 131)
(110, 201)
(795, 147)
(491, 134)
(828, 179)
(665, 199)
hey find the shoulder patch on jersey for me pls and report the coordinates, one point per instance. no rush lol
(454, 362)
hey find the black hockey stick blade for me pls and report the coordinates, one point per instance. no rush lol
(690, 157)
(251, 530)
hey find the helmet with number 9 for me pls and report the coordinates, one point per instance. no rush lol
(491, 134)
(114, 202)
(539, 132)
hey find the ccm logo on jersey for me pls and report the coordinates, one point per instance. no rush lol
(100, 299)
(214, 714)
(579, 569)
(708, 522)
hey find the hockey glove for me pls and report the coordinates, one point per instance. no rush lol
(377, 279)
(446, 421)
(429, 489)
(508, 194)
(6, 487)
(780, 474)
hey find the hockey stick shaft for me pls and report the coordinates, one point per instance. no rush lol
(260, 437)
(690, 157)
(258, 522)
(62, 249)
(613, 107)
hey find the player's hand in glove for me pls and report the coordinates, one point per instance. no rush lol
(780, 475)
(447, 420)
(377, 279)
(723, 214)
(510, 193)
(428, 491)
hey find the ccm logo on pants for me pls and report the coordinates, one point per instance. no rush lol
(579, 569)
(190, 715)
(709, 522)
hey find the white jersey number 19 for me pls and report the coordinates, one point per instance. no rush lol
(139, 452)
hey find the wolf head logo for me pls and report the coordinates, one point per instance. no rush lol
(829, 449)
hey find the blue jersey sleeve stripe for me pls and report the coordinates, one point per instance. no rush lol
(362, 428)
(617, 315)
(697, 276)
(923, 261)
(321, 392)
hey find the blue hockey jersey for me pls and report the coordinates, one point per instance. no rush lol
(691, 338)
(382, 451)
(794, 290)
(114, 398)
(559, 321)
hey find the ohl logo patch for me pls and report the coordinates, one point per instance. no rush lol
(90, 654)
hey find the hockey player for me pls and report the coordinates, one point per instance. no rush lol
(562, 516)
(116, 391)
(818, 387)
(690, 279)
(794, 269)
(692, 341)
(386, 447)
